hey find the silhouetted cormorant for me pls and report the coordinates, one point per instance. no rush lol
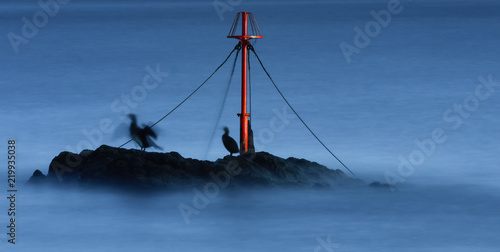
(229, 142)
(141, 136)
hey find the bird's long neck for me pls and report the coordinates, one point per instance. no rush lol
(133, 127)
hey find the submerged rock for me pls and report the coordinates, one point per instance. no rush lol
(382, 185)
(116, 167)
(36, 178)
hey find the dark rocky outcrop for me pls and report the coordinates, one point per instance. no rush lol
(116, 167)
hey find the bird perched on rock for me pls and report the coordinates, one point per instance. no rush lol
(142, 136)
(229, 142)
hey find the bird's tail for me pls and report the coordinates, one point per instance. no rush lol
(153, 144)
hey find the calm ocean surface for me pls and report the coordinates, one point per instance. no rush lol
(415, 98)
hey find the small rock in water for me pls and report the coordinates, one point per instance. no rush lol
(377, 184)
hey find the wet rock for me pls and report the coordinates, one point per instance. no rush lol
(117, 168)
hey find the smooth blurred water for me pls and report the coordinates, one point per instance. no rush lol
(72, 75)
(417, 218)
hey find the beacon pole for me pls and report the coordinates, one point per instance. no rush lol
(244, 116)
(244, 41)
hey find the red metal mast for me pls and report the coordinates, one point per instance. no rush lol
(244, 41)
(244, 115)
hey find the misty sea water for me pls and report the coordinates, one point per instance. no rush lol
(423, 90)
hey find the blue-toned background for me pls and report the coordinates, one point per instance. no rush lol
(418, 74)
